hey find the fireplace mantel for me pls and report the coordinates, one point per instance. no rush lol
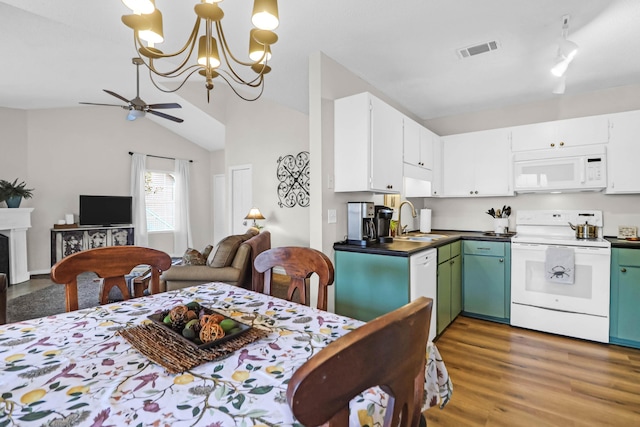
(14, 223)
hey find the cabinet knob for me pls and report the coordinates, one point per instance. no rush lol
(501, 260)
(561, 144)
(389, 186)
(553, 144)
(471, 192)
(624, 270)
(476, 192)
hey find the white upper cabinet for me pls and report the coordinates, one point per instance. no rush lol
(368, 145)
(623, 153)
(477, 164)
(418, 144)
(561, 133)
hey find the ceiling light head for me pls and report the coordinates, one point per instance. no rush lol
(155, 33)
(134, 114)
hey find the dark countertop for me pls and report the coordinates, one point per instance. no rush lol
(404, 248)
(622, 243)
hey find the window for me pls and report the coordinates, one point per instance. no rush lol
(159, 189)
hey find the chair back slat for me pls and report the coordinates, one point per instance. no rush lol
(299, 263)
(111, 263)
(389, 351)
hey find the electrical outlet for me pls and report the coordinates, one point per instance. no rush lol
(331, 216)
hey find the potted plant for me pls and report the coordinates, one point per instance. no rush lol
(13, 192)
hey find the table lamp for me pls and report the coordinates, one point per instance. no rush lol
(254, 214)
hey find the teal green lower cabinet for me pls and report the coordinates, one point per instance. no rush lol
(369, 285)
(449, 285)
(486, 278)
(624, 323)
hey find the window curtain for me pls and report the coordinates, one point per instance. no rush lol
(182, 236)
(138, 169)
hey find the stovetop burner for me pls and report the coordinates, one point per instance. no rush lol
(552, 227)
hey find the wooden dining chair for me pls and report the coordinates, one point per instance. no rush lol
(389, 352)
(299, 264)
(112, 263)
(3, 298)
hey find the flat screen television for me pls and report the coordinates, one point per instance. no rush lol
(105, 210)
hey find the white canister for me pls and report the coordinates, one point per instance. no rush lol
(501, 225)
(69, 218)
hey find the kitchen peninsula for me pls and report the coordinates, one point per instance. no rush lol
(375, 279)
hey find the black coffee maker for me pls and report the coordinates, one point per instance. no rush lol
(383, 216)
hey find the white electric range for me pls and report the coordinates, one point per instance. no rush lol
(560, 283)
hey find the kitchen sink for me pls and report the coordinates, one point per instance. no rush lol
(422, 237)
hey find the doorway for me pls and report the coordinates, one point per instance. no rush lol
(241, 192)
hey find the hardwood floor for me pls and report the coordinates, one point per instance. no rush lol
(507, 376)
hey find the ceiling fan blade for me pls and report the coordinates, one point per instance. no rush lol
(161, 106)
(166, 116)
(106, 105)
(117, 96)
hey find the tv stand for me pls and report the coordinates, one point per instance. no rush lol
(67, 241)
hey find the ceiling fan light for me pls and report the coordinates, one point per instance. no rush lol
(140, 6)
(560, 86)
(265, 14)
(214, 58)
(155, 33)
(134, 114)
(561, 66)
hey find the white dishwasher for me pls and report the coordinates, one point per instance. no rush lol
(423, 281)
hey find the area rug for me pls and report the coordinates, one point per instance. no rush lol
(50, 300)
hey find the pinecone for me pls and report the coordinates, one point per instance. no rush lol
(179, 317)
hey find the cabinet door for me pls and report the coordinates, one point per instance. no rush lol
(426, 147)
(458, 165)
(535, 136)
(493, 166)
(411, 142)
(582, 131)
(436, 184)
(484, 286)
(623, 153)
(628, 303)
(386, 147)
(444, 296)
(456, 286)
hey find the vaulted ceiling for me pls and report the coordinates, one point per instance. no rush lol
(57, 53)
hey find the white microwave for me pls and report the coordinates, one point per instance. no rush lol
(563, 169)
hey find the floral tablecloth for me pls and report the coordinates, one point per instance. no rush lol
(72, 369)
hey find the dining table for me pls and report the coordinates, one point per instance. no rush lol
(81, 368)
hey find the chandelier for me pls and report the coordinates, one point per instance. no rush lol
(146, 22)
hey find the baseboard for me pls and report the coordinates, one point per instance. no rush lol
(33, 273)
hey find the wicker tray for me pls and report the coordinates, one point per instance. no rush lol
(158, 319)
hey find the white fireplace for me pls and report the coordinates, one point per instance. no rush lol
(14, 223)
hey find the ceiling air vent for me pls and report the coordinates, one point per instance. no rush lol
(467, 52)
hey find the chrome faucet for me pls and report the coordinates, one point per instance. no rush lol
(413, 214)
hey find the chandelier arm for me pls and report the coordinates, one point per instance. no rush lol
(179, 86)
(231, 78)
(225, 47)
(190, 43)
(261, 85)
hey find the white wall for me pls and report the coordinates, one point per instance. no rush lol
(258, 133)
(68, 152)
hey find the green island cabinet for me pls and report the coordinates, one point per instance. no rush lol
(624, 324)
(369, 285)
(486, 280)
(449, 285)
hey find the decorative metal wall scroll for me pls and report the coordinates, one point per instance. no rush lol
(293, 177)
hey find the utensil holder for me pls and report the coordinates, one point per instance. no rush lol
(501, 225)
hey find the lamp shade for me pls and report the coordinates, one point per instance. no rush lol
(265, 14)
(214, 58)
(155, 34)
(254, 214)
(140, 6)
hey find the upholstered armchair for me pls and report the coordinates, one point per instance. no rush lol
(231, 261)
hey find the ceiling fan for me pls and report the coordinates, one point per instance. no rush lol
(136, 106)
